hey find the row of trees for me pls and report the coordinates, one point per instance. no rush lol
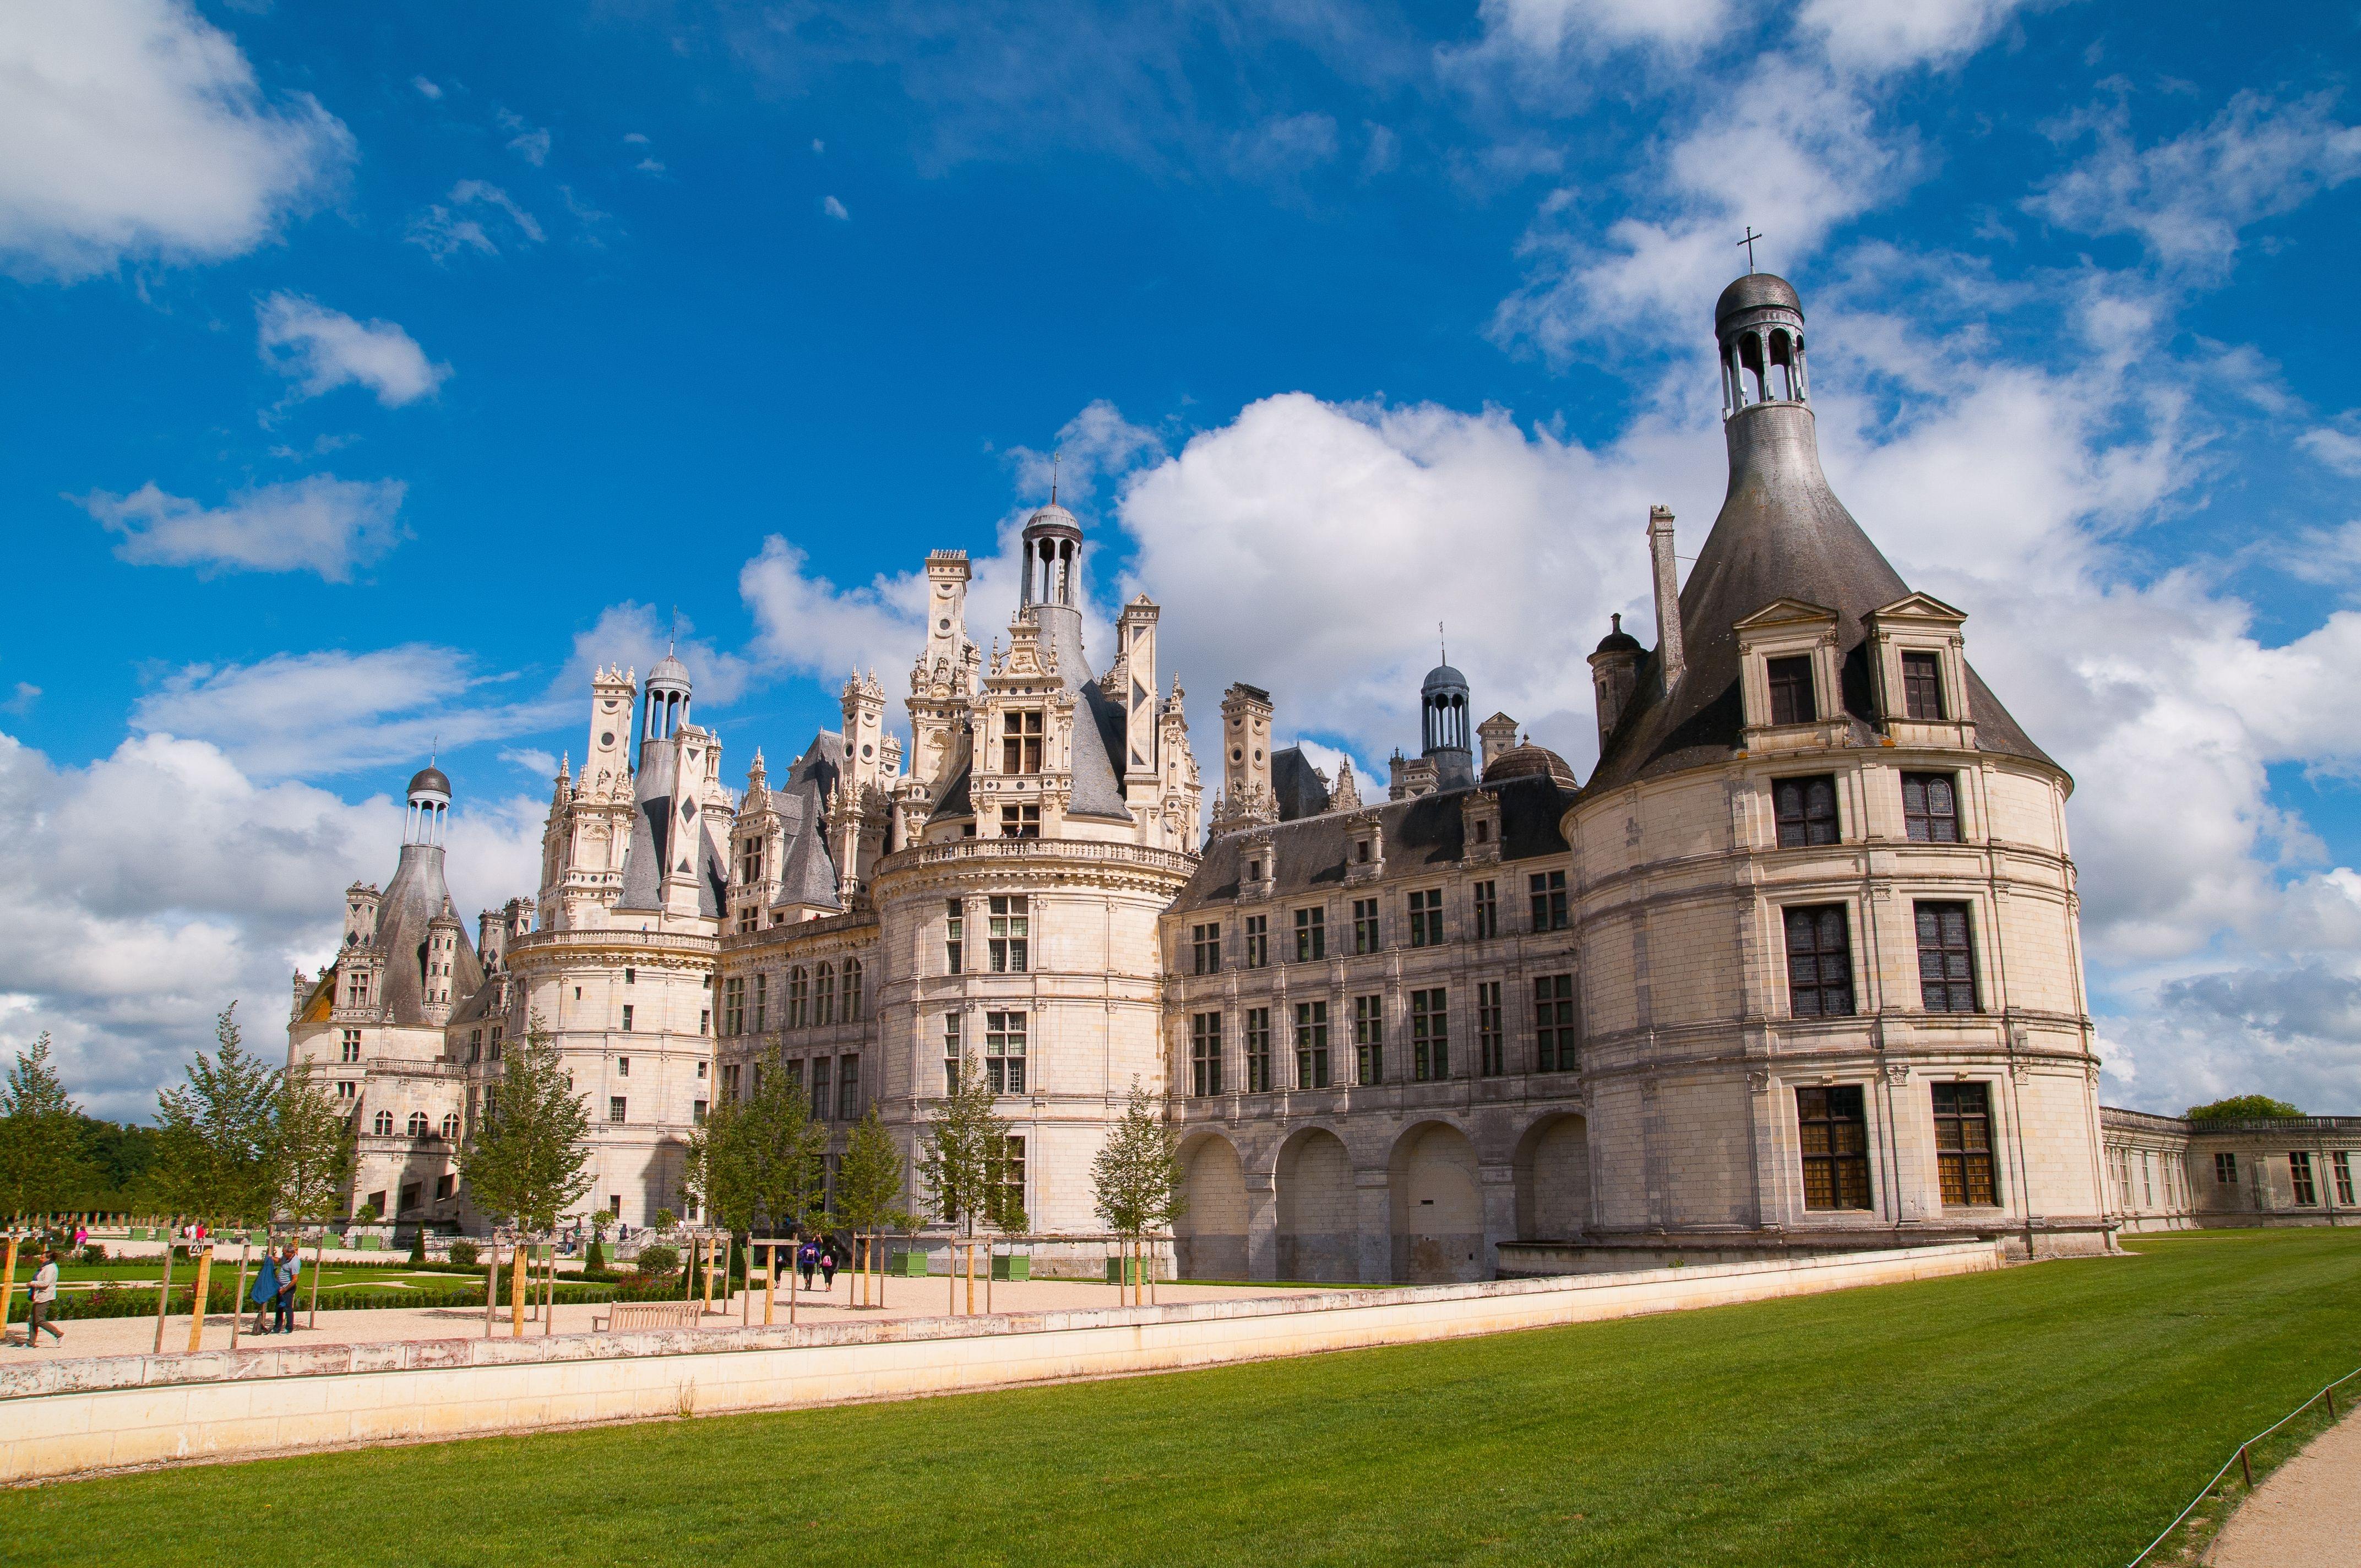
(240, 1142)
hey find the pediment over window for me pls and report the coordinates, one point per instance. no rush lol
(1784, 612)
(1924, 608)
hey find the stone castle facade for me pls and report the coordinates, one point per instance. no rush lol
(1798, 965)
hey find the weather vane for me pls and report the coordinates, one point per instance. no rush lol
(1749, 243)
(1053, 476)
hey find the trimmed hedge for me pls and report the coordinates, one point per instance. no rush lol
(106, 1303)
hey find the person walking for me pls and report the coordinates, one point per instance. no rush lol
(265, 1290)
(291, 1265)
(45, 1302)
(828, 1267)
(806, 1260)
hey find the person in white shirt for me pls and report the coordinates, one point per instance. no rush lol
(45, 1302)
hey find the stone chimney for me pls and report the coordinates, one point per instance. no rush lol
(1671, 662)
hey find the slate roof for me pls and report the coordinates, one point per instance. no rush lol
(412, 899)
(654, 842)
(808, 874)
(1298, 784)
(1308, 853)
(1782, 533)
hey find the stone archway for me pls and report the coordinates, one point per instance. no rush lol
(1553, 1169)
(1210, 1238)
(1318, 1236)
(1438, 1207)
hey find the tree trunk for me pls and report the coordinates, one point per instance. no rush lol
(163, 1294)
(197, 1302)
(237, 1303)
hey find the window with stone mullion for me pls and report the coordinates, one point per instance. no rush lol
(1806, 811)
(1963, 1144)
(1833, 1129)
(1430, 1036)
(1369, 1039)
(1930, 808)
(1946, 958)
(1003, 1052)
(1820, 962)
(1205, 1053)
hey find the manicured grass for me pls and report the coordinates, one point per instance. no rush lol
(2055, 1414)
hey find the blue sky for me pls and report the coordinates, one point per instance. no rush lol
(377, 371)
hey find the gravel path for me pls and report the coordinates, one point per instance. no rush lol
(2308, 1515)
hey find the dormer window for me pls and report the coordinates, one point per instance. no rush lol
(1791, 689)
(1922, 687)
(1361, 852)
(1020, 744)
(1020, 822)
(1254, 870)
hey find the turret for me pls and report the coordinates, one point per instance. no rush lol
(1443, 726)
(1614, 669)
(361, 914)
(1247, 796)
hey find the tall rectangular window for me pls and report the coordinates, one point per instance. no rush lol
(820, 1096)
(1820, 962)
(1426, 918)
(1946, 958)
(729, 1080)
(615, 1109)
(1365, 925)
(1205, 1053)
(348, 1044)
(853, 990)
(1012, 1170)
(1548, 890)
(1806, 810)
(2306, 1193)
(798, 997)
(1484, 905)
(823, 996)
(1311, 935)
(1430, 1036)
(1554, 1042)
(1311, 1045)
(2225, 1167)
(1257, 1042)
(1020, 822)
(627, 1017)
(1835, 1136)
(1020, 741)
(1003, 1052)
(1369, 1039)
(954, 935)
(2343, 1177)
(1257, 942)
(1791, 690)
(762, 1001)
(1011, 936)
(1930, 808)
(954, 1047)
(1205, 947)
(749, 862)
(1491, 1030)
(847, 1088)
(1922, 687)
(1963, 1144)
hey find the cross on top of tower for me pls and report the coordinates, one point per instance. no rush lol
(1749, 243)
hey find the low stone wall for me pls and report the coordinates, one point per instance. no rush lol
(67, 1416)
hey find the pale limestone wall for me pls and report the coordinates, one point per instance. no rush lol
(1092, 993)
(1210, 1239)
(138, 1411)
(774, 953)
(2165, 1173)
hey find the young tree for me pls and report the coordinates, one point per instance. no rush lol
(715, 1173)
(312, 1148)
(1136, 1176)
(39, 1136)
(963, 1159)
(217, 1132)
(524, 1160)
(869, 1180)
(784, 1150)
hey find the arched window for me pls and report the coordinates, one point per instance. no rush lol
(823, 996)
(853, 990)
(451, 1127)
(798, 996)
(384, 1123)
(418, 1124)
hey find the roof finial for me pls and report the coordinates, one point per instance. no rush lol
(1054, 456)
(1441, 645)
(1749, 243)
(672, 638)
(433, 746)
(1618, 619)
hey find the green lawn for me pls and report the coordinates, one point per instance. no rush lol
(2059, 1414)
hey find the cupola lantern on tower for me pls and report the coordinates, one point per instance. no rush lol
(1053, 557)
(668, 705)
(1758, 324)
(1444, 728)
(429, 800)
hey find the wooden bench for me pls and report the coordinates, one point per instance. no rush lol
(625, 1316)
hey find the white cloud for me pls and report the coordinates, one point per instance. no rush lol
(22, 700)
(835, 209)
(2339, 449)
(636, 636)
(809, 625)
(320, 524)
(540, 764)
(140, 894)
(425, 89)
(1876, 34)
(1547, 28)
(324, 349)
(318, 713)
(633, 138)
(530, 142)
(650, 166)
(818, 146)
(2188, 198)
(470, 218)
(1285, 148)
(1096, 445)
(136, 129)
